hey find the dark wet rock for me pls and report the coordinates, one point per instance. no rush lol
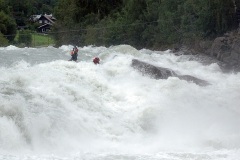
(151, 70)
(195, 80)
(227, 50)
(163, 73)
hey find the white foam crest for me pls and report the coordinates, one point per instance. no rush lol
(124, 49)
(12, 135)
(53, 88)
(66, 47)
(11, 47)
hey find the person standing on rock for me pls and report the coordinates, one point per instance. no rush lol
(74, 54)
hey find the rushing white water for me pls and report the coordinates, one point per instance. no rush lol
(51, 108)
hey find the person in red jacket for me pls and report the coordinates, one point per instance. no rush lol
(96, 60)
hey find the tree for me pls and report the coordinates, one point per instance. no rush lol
(79, 15)
(143, 23)
(3, 40)
(7, 26)
(206, 18)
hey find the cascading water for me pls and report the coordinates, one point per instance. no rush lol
(51, 108)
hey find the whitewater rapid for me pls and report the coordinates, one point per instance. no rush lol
(51, 108)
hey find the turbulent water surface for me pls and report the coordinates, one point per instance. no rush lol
(51, 108)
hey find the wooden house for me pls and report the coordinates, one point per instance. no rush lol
(44, 21)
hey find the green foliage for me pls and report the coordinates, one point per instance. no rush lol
(23, 9)
(169, 29)
(3, 40)
(25, 37)
(4, 7)
(7, 26)
(79, 16)
(142, 23)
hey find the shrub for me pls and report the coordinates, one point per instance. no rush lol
(25, 37)
(3, 40)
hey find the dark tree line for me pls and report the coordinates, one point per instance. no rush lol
(140, 23)
(143, 23)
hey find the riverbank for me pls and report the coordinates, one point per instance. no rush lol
(224, 50)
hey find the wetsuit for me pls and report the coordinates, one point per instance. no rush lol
(74, 55)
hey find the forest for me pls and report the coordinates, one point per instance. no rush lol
(155, 24)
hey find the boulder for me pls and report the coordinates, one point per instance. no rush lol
(217, 46)
(163, 73)
(151, 70)
(195, 80)
(227, 50)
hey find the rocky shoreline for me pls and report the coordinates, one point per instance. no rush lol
(224, 50)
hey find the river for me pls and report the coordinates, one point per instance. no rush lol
(54, 109)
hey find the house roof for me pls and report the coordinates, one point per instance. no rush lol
(43, 17)
(34, 18)
(49, 17)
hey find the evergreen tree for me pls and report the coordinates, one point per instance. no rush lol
(143, 23)
(7, 23)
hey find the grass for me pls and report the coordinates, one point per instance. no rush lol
(41, 40)
(38, 40)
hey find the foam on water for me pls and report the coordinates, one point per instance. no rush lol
(55, 109)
